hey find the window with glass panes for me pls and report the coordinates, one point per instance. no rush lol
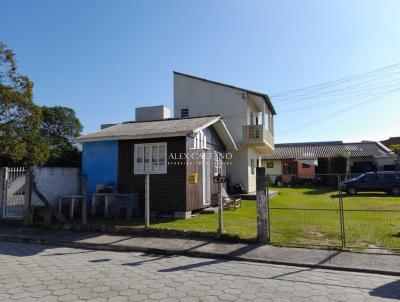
(151, 158)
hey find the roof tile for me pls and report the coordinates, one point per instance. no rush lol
(328, 149)
(166, 127)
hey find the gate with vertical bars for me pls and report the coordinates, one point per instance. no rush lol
(14, 193)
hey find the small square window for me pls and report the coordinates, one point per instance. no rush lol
(185, 112)
(270, 165)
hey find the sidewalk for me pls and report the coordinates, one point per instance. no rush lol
(312, 258)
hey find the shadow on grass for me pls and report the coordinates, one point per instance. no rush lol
(318, 191)
(307, 190)
(363, 195)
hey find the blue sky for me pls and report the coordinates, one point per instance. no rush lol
(104, 58)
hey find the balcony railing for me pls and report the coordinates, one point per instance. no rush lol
(257, 134)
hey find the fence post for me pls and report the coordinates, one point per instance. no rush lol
(220, 210)
(341, 214)
(147, 201)
(84, 199)
(2, 189)
(28, 197)
(262, 228)
(267, 206)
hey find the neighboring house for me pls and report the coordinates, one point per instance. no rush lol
(247, 114)
(121, 155)
(391, 141)
(394, 141)
(305, 160)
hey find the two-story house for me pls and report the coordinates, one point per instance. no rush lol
(247, 114)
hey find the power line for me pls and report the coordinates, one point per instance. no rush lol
(310, 123)
(364, 86)
(335, 101)
(335, 82)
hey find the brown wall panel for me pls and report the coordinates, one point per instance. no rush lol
(167, 191)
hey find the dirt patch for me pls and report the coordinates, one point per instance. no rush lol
(367, 247)
(314, 233)
(314, 237)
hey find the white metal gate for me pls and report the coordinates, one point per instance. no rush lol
(14, 193)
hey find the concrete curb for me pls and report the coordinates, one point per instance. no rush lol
(189, 253)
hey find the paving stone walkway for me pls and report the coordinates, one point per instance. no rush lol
(30, 272)
(192, 247)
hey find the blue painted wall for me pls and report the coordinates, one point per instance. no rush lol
(100, 164)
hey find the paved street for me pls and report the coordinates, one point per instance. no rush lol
(31, 272)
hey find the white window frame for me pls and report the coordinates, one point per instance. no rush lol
(156, 167)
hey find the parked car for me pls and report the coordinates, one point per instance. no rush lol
(387, 181)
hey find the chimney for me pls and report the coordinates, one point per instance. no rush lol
(152, 113)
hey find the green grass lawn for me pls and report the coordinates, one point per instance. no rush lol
(310, 216)
(241, 221)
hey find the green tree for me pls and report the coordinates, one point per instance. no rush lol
(59, 126)
(20, 140)
(396, 149)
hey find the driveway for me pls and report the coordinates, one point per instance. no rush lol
(30, 272)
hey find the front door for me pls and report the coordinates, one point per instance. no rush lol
(206, 172)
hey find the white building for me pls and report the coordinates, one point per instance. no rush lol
(247, 114)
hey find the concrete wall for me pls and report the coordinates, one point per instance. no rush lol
(237, 171)
(276, 170)
(54, 182)
(204, 98)
(100, 164)
(251, 182)
(152, 113)
(234, 106)
(381, 162)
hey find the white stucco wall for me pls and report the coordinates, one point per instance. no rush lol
(381, 162)
(240, 169)
(276, 170)
(152, 113)
(204, 98)
(251, 183)
(237, 170)
(234, 106)
(54, 182)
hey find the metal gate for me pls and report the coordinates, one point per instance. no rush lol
(14, 193)
(316, 212)
(308, 213)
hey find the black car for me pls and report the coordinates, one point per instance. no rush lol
(387, 181)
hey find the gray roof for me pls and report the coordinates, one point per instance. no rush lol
(329, 149)
(160, 128)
